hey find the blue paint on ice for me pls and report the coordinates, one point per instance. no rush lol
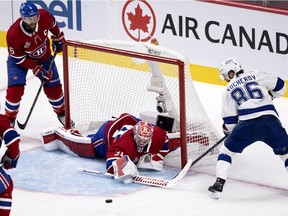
(57, 172)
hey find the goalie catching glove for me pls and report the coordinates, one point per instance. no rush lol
(151, 161)
(124, 169)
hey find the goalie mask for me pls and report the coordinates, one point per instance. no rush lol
(142, 132)
(229, 68)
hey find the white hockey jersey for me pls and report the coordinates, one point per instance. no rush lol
(249, 96)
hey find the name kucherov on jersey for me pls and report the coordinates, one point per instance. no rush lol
(241, 81)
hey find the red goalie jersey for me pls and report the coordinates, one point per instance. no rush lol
(130, 144)
(124, 136)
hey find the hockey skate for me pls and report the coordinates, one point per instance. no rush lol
(216, 188)
(61, 118)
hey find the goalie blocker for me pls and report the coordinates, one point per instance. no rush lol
(73, 143)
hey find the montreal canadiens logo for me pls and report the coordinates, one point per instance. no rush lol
(139, 20)
(39, 51)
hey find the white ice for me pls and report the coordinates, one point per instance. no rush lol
(258, 183)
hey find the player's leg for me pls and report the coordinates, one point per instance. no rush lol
(236, 142)
(6, 187)
(54, 93)
(98, 143)
(55, 97)
(15, 89)
(224, 162)
(69, 141)
(277, 139)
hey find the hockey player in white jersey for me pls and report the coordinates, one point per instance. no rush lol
(249, 116)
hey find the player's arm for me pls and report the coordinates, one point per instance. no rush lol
(118, 149)
(124, 169)
(155, 161)
(275, 85)
(109, 167)
(17, 53)
(121, 167)
(20, 58)
(229, 114)
(278, 89)
(57, 35)
(11, 139)
(151, 161)
(111, 157)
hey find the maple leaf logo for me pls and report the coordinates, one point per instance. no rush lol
(138, 21)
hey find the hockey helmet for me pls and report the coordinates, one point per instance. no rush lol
(142, 133)
(230, 64)
(28, 9)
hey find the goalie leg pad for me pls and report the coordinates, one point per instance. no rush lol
(124, 169)
(49, 140)
(68, 141)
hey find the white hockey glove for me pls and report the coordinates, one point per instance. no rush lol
(124, 169)
(151, 161)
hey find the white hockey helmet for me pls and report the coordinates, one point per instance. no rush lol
(142, 132)
(230, 64)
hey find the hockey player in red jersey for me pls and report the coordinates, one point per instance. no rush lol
(127, 143)
(29, 49)
(9, 160)
(143, 144)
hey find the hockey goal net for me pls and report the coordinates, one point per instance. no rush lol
(107, 78)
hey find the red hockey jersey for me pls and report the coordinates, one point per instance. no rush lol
(30, 49)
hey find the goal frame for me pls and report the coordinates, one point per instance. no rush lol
(180, 64)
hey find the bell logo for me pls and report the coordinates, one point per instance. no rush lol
(138, 20)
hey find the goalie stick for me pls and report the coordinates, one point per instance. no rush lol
(165, 183)
(22, 126)
(208, 150)
(157, 182)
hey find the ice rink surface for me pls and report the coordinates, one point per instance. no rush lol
(258, 183)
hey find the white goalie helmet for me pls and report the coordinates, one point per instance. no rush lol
(142, 132)
(230, 64)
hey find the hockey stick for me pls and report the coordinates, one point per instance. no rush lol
(22, 126)
(157, 182)
(164, 183)
(207, 151)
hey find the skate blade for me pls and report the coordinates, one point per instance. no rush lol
(214, 195)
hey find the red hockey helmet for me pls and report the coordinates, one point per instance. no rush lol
(142, 132)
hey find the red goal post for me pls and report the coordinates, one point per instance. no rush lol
(92, 96)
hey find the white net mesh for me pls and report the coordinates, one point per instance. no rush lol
(106, 83)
